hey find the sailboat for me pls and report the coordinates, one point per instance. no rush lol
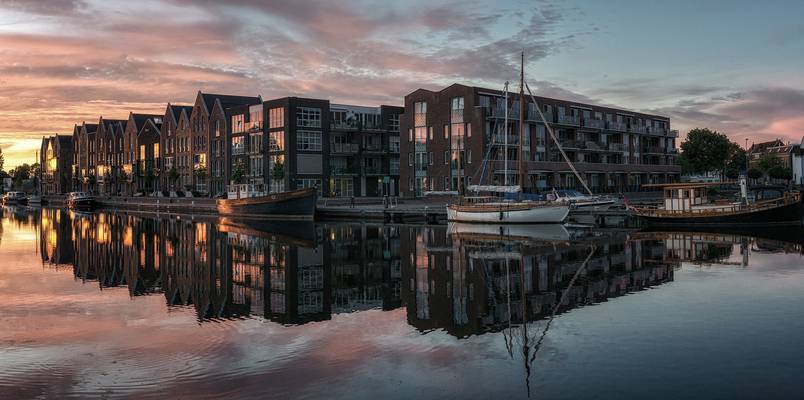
(492, 209)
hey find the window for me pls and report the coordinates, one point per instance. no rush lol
(142, 152)
(420, 114)
(394, 166)
(308, 183)
(276, 141)
(156, 150)
(276, 117)
(457, 103)
(410, 159)
(255, 143)
(430, 156)
(446, 157)
(393, 144)
(256, 165)
(421, 135)
(394, 123)
(446, 183)
(468, 156)
(308, 141)
(238, 145)
(410, 135)
(446, 131)
(217, 128)
(468, 130)
(308, 117)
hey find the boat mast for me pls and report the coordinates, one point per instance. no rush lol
(521, 123)
(505, 139)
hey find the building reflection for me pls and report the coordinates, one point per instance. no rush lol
(459, 281)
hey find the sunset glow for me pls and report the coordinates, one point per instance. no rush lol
(67, 61)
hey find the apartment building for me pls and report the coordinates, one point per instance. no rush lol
(56, 159)
(448, 133)
(293, 143)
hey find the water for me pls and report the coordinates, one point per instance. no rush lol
(135, 306)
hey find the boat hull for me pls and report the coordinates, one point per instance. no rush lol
(81, 204)
(552, 214)
(534, 232)
(299, 204)
(788, 214)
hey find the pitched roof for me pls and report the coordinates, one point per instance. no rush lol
(139, 119)
(761, 147)
(175, 110)
(228, 100)
(91, 128)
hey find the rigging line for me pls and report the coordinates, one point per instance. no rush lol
(494, 133)
(553, 136)
(561, 301)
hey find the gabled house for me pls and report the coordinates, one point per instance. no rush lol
(86, 157)
(149, 166)
(106, 141)
(172, 141)
(56, 159)
(208, 143)
(131, 150)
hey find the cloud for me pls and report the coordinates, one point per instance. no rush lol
(45, 7)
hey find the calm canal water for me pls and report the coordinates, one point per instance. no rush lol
(119, 305)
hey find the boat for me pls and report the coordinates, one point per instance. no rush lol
(35, 200)
(583, 202)
(251, 200)
(12, 198)
(500, 210)
(688, 204)
(80, 201)
(299, 233)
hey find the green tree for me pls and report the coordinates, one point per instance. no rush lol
(173, 176)
(768, 162)
(21, 173)
(278, 171)
(754, 173)
(706, 150)
(2, 159)
(780, 172)
(238, 172)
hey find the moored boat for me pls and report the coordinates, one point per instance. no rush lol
(582, 202)
(13, 198)
(250, 200)
(80, 201)
(688, 204)
(519, 212)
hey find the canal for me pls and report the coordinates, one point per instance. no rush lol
(121, 305)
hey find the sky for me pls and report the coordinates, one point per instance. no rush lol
(734, 66)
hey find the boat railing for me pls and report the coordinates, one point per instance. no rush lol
(733, 208)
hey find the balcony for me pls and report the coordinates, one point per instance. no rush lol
(372, 171)
(592, 145)
(653, 150)
(345, 125)
(616, 126)
(344, 171)
(374, 148)
(569, 119)
(657, 131)
(535, 167)
(343, 148)
(572, 144)
(618, 147)
(639, 129)
(500, 140)
(533, 115)
(594, 123)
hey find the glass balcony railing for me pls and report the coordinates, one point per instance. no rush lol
(344, 147)
(594, 123)
(569, 119)
(616, 126)
(638, 129)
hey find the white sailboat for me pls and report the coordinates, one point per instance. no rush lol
(492, 209)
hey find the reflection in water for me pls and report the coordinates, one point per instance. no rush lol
(453, 279)
(463, 281)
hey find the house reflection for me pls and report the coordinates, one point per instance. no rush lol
(474, 283)
(296, 273)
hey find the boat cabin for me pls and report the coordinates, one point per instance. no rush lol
(684, 198)
(245, 191)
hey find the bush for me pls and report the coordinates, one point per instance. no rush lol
(754, 173)
(779, 172)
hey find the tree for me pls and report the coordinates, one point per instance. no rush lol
(2, 159)
(238, 172)
(754, 173)
(780, 172)
(278, 171)
(173, 176)
(21, 173)
(706, 150)
(767, 162)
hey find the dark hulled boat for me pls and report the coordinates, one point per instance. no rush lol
(80, 201)
(249, 201)
(687, 205)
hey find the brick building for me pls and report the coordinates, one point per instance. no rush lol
(447, 133)
(174, 146)
(56, 159)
